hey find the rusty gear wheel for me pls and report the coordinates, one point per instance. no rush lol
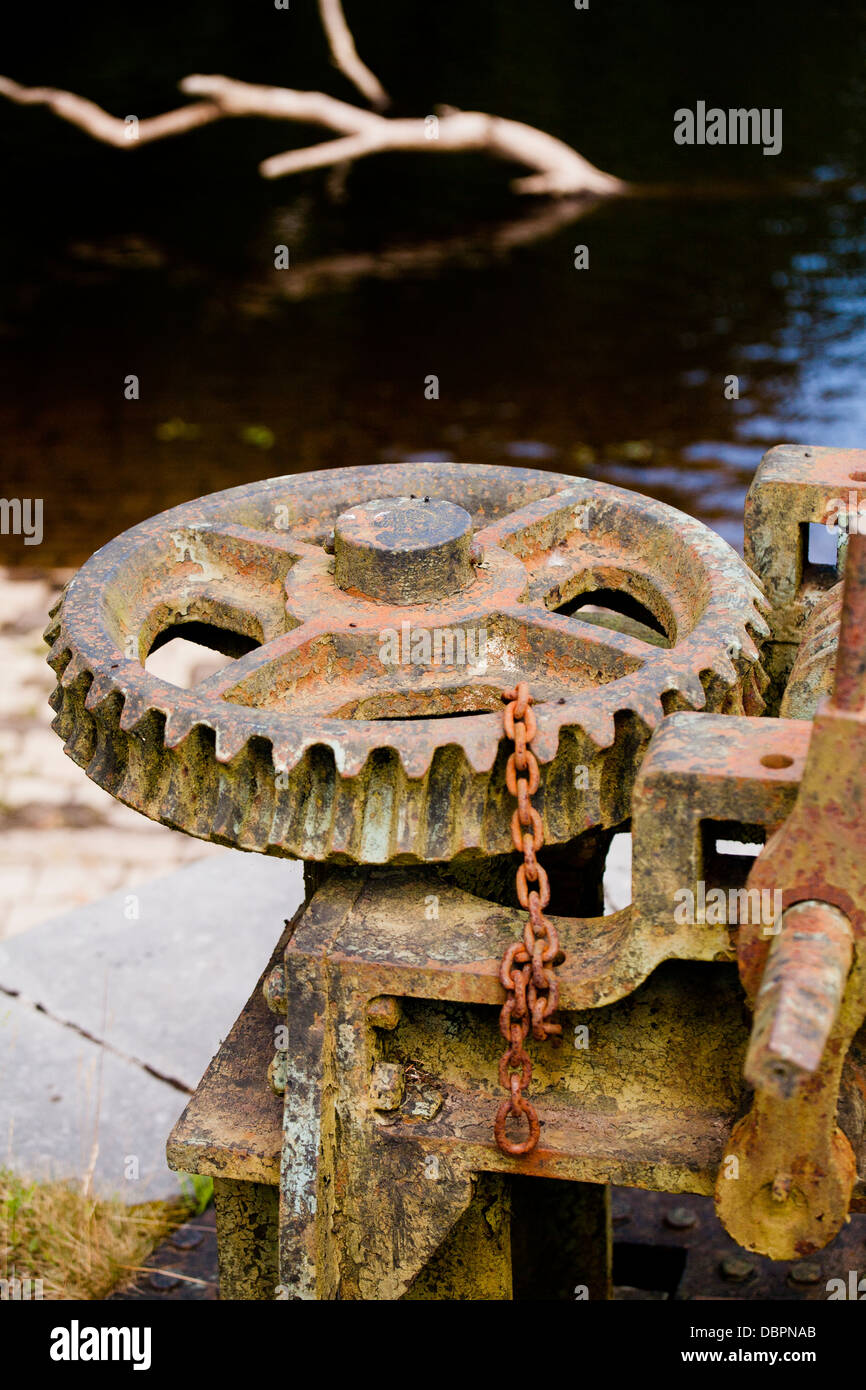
(376, 615)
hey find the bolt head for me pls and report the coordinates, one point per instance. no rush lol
(387, 1086)
(384, 1012)
(781, 1189)
(278, 1073)
(275, 990)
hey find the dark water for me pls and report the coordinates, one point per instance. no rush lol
(160, 262)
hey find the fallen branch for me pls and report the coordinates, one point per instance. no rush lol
(111, 130)
(559, 171)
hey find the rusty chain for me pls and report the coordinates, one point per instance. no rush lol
(527, 969)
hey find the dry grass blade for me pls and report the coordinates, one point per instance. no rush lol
(81, 1247)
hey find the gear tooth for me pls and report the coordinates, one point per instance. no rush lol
(546, 741)
(351, 758)
(287, 752)
(59, 656)
(723, 667)
(303, 805)
(178, 726)
(754, 703)
(757, 593)
(79, 742)
(75, 667)
(480, 742)
(100, 688)
(58, 603)
(229, 742)
(416, 760)
(648, 708)
(377, 814)
(758, 622)
(134, 709)
(599, 725)
(477, 738)
(410, 819)
(345, 821)
(691, 690)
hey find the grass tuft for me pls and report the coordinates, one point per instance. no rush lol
(80, 1246)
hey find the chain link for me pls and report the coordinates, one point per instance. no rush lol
(527, 969)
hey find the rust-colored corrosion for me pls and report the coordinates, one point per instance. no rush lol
(849, 687)
(404, 550)
(794, 1165)
(359, 729)
(617, 611)
(794, 488)
(367, 1195)
(811, 678)
(800, 997)
(527, 971)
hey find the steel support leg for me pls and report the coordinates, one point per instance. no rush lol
(246, 1216)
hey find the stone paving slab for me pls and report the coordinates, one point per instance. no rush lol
(69, 1108)
(160, 973)
(108, 1020)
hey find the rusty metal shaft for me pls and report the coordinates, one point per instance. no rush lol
(800, 997)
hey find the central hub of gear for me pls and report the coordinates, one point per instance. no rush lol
(404, 550)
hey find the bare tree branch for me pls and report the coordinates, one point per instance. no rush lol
(282, 104)
(111, 130)
(559, 171)
(345, 54)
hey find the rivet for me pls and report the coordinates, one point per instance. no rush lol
(186, 1237)
(275, 990)
(384, 1012)
(681, 1218)
(735, 1270)
(387, 1086)
(278, 1073)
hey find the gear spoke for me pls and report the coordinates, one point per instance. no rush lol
(613, 653)
(250, 542)
(254, 678)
